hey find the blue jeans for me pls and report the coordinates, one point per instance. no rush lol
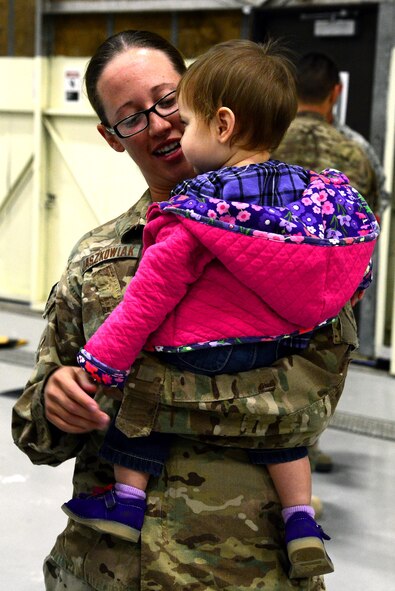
(148, 454)
(144, 454)
(229, 358)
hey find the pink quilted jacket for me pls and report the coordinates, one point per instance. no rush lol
(198, 283)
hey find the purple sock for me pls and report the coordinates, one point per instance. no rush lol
(129, 492)
(288, 511)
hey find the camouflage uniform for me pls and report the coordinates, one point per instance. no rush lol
(381, 199)
(314, 143)
(213, 519)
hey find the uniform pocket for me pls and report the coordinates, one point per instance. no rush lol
(102, 290)
(287, 404)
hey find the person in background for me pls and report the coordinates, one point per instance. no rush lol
(382, 199)
(203, 527)
(318, 68)
(315, 140)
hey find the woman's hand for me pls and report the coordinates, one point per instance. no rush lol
(69, 404)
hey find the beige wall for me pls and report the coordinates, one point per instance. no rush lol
(16, 149)
(58, 178)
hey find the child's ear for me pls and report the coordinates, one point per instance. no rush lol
(225, 121)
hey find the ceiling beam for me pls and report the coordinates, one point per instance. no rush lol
(108, 6)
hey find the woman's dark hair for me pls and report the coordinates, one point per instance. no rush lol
(117, 44)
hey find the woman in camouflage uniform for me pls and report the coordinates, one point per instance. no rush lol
(202, 530)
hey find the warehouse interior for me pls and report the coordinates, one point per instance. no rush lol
(58, 180)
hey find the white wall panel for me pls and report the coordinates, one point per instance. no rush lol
(15, 240)
(16, 152)
(80, 184)
(17, 88)
(385, 324)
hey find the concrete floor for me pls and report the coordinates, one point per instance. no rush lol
(358, 495)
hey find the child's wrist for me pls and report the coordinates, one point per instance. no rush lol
(101, 372)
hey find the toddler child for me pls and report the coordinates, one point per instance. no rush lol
(240, 266)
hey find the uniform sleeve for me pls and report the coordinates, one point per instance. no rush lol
(359, 172)
(32, 433)
(168, 267)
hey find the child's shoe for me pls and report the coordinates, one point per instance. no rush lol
(305, 546)
(108, 513)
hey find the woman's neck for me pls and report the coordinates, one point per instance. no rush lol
(159, 195)
(160, 192)
(160, 188)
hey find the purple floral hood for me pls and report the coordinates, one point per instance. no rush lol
(306, 259)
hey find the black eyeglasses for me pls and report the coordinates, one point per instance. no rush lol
(139, 121)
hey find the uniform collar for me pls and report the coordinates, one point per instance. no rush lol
(312, 114)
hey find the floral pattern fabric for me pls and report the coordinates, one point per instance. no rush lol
(326, 213)
(330, 212)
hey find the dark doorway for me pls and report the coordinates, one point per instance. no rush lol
(347, 33)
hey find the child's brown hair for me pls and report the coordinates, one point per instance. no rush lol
(256, 81)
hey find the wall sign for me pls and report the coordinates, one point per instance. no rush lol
(334, 27)
(72, 86)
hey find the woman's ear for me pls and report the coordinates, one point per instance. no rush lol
(111, 139)
(225, 124)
